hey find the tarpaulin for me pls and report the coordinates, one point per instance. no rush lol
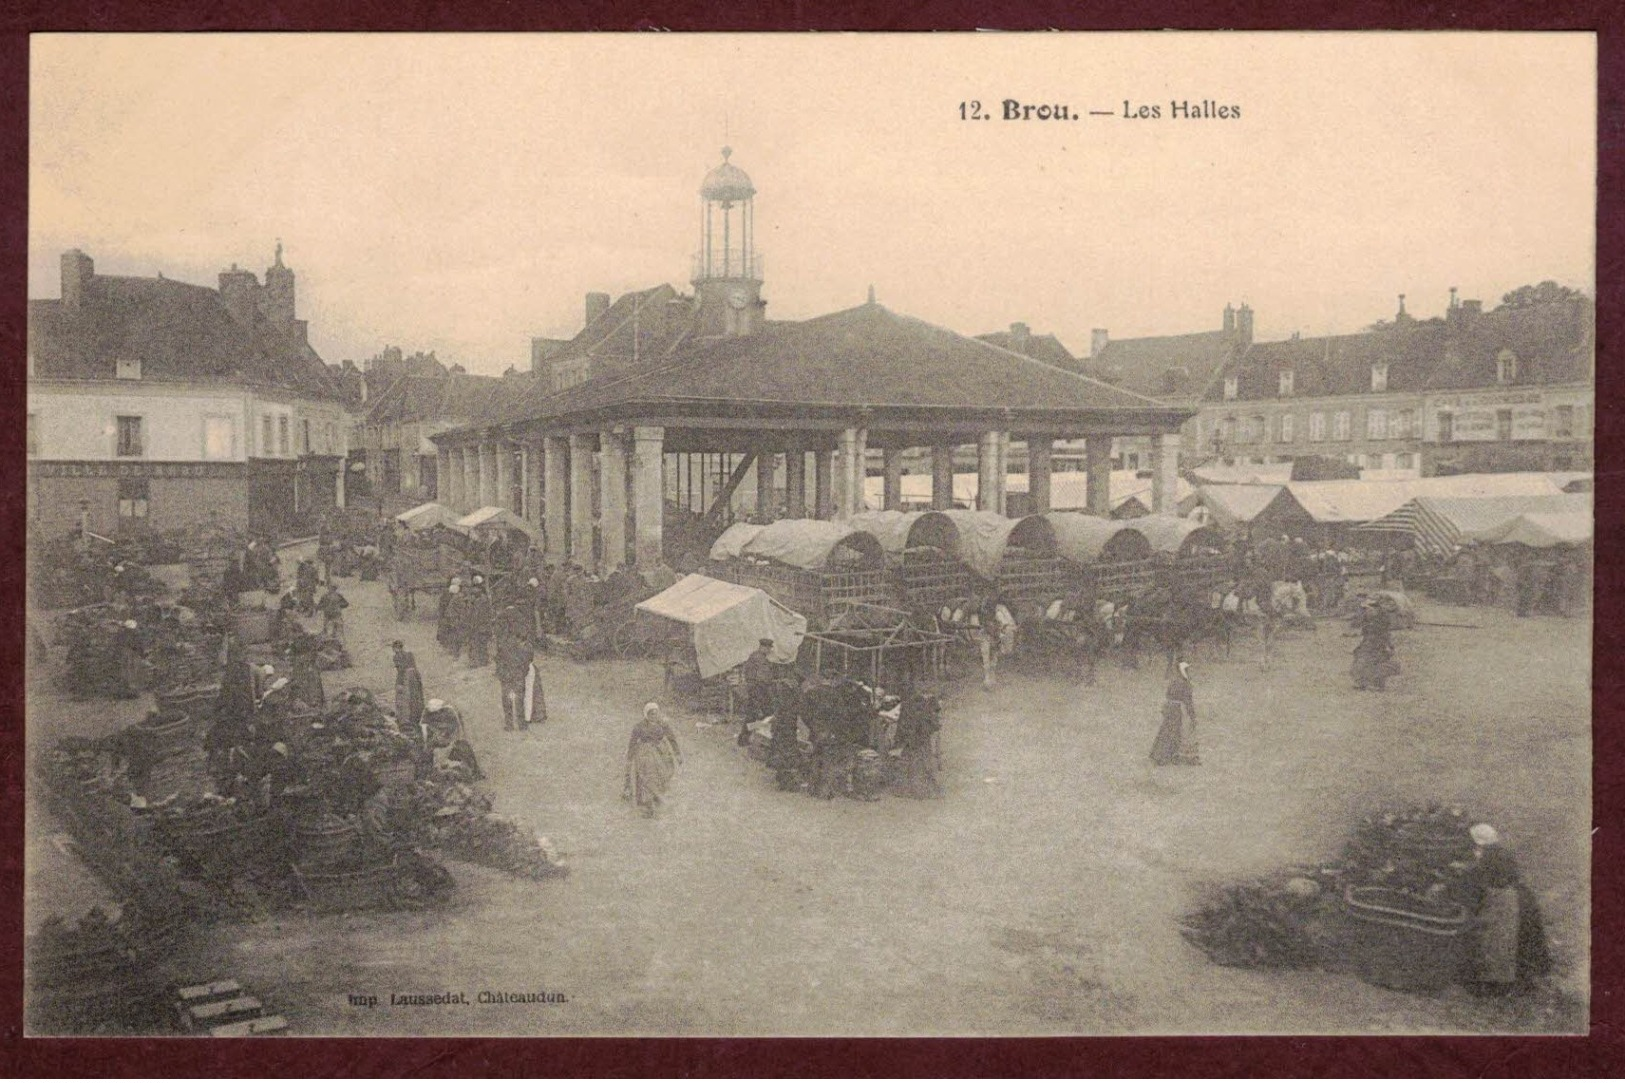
(727, 621)
(811, 543)
(731, 545)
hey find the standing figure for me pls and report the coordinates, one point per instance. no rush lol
(919, 719)
(132, 664)
(304, 587)
(1508, 935)
(445, 631)
(558, 585)
(784, 751)
(522, 699)
(580, 596)
(332, 607)
(757, 671)
(408, 690)
(995, 636)
(1176, 738)
(305, 671)
(652, 757)
(1374, 657)
(476, 624)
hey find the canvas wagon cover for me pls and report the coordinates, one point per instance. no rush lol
(1083, 538)
(727, 621)
(808, 543)
(427, 515)
(495, 518)
(1540, 530)
(731, 545)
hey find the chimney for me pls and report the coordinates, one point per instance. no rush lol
(1453, 300)
(1230, 319)
(1244, 324)
(77, 271)
(597, 305)
(239, 290)
(1020, 336)
(1097, 341)
(1401, 314)
(1471, 310)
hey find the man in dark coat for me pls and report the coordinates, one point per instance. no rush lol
(332, 607)
(558, 580)
(304, 587)
(408, 689)
(476, 624)
(522, 699)
(757, 671)
(918, 720)
(784, 753)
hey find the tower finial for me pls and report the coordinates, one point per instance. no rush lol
(871, 294)
(279, 251)
(726, 152)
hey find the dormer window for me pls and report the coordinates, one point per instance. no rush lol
(1229, 388)
(1284, 383)
(1506, 367)
(127, 370)
(1379, 376)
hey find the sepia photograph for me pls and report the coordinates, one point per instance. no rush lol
(791, 535)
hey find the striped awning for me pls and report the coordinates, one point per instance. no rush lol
(1439, 524)
(1429, 531)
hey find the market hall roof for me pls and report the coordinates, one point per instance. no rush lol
(1170, 367)
(180, 333)
(866, 357)
(456, 397)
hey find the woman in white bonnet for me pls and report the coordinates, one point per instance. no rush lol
(1508, 936)
(652, 757)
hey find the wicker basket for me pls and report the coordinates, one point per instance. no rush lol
(230, 849)
(362, 889)
(173, 733)
(327, 842)
(395, 773)
(1403, 941)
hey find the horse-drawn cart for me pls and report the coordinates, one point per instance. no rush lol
(413, 569)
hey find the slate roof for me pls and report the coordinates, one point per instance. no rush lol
(458, 397)
(861, 357)
(179, 333)
(1045, 348)
(1552, 342)
(1175, 368)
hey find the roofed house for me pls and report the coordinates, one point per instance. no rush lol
(673, 404)
(1468, 392)
(157, 405)
(1177, 369)
(395, 434)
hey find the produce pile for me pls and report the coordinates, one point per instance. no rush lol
(1285, 920)
(462, 826)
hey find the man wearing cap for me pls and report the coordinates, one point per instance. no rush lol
(522, 700)
(332, 607)
(757, 671)
(476, 624)
(408, 688)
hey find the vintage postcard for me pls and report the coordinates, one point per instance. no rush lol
(761, 535)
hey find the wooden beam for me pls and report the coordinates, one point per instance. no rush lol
(727, 492)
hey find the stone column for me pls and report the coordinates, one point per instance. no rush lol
(442, 474)
(767, 465)
(556, 498)
(1097, 464)
(1165, 473)
(823, 496)
(502, 453)
(531, 457)
(990, 478)
(893, 459)
(849, 490)
(942, 477)
(648, 495)
(612, 499)
(1039, 451)
(795, 483)
(471, 478)
(582, 463)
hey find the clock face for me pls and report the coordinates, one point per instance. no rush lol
(738, 298)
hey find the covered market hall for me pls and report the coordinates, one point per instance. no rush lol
(791, 410)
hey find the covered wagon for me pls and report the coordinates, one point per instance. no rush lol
(816, 568)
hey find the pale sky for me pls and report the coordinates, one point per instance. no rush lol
(462, 193)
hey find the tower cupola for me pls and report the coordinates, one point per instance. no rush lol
(727, 268)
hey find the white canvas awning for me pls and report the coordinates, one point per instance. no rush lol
(727, 621)
(427, 515)
(495, 518)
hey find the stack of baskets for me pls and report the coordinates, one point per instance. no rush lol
(333, 871)
(1404, 941)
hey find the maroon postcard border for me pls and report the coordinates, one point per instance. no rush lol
(1598, 1054)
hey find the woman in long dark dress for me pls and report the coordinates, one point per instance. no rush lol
(1508, 942)
(918, 721)
(652, 757)
(1176, 739)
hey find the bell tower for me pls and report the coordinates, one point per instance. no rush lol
(727, 268)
